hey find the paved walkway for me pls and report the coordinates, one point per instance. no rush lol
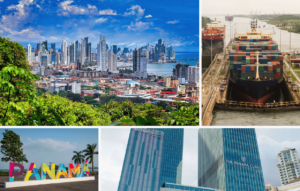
(91, 185)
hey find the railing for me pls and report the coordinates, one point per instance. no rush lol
(259, 105)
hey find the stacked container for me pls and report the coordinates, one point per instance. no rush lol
(243, 59)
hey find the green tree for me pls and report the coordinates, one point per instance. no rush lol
(22, 159)
(63, 93)
(11, 147)
(89, 153)
(78, 158)
(16, 85)
(162, 104)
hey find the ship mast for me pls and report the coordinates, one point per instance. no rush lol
(257, 66)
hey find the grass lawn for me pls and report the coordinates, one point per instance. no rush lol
(293, 77)
(222, 72)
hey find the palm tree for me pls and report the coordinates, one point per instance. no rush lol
(89, 152)
(78, 158)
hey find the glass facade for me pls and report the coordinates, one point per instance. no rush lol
(228, 159)
(176, 187)
(153, 157)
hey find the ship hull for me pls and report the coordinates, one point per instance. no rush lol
(217, 47)
(256, 91)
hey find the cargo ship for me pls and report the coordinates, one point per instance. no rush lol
(213, 36)
(256, 66)
(228, 18)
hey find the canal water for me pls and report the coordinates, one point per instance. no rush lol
(238, 118)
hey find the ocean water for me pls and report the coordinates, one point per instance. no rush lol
(167, 68)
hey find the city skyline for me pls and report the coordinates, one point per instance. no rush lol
(127, 24)
(270, 143)
(52, 145)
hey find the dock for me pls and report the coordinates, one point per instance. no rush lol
(215, 82)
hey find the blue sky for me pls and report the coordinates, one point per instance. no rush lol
(52, 145)
(130, 23)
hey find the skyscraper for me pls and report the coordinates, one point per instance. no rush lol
(83, 50)
(102, 54)
(115, 50)
(28, 53)
(46, 44)
(228, 159)
(64, 50)
(53, 46)
(125, 50)
(139, 61)
(38, 46)
(289, 165)
(153, 157)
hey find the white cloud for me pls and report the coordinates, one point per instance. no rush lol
(107, 12)
(1, 31)
(148, 16)
(135, 10)
(173, 22)
(139, 26)
(66, 9)
(1, 0)
(47, 145)
(101, 20)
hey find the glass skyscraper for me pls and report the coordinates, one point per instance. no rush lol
(153, 157)
(228, 160)
(178, 187)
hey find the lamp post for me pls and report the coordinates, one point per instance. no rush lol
(211, 49)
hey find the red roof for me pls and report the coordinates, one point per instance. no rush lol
(161, 80)
(168, 92)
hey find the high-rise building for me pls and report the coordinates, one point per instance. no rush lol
(46, 44)
(228, 159)
(119, 49)
(193, 75)
(38, 46)
(139, 61)
(112, 61)
(53, 46)
(83, 50)
(28, 53)
(125, 50)
(115, 50)
(76, 51)
(180, 71)
(64, 50)
(90, 52)
(153, 157)
(44, 61)
(289, 165)
(102, 54)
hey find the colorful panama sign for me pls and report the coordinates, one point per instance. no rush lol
(33, 171)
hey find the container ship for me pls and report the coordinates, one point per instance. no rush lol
(256, 66)
(212, 40)
(228, 18)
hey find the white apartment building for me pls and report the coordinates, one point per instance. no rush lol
(28, 53)
(289, 166)
(193, 75)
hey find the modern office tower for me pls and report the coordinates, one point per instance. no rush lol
(68, 57)
(38, 46)
(83, 51)
(58, 58)
(52, 56)
(193, 75)
(125, 50)
(139, 61)
(119, 49)
(107, 47)
(32, 49)
(64, 57)
(289, 165)
(44, 61)
(102, 54)
(229, 160)
(181, 71)
(76, 46)
(90, 52)
(159, 50)
(43, 49)
(46, 44)
(28, 53)
(115, 50)
(86, 41)
(53, 46)
(170, 53)
(153, 157)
